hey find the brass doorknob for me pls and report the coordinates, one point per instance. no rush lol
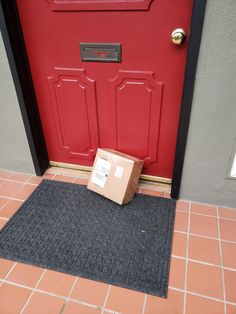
(178, 36)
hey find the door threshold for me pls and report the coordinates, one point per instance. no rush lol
(87, 169)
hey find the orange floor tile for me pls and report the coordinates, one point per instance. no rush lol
(89, 291)
(202, 274)
(57, 283)
(203, 249)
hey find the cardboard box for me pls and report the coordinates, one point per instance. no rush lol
(115, 175)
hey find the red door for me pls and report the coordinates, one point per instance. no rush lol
(132, 104)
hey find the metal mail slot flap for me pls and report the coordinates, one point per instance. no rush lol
(100, 52)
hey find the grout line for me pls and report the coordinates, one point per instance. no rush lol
(144, 303)
(202, 236)
(12, 198)
(36, 290)
(55, 295)
(180, 231)
(106, 298)
(4, 204)
(186, 263)
(112, 312)
(228, 241)
(85, 303)
(9, 272)
(216, 217)
(27, 181)
(231, 303)
(206, 237)
(208, 204)
(182, 211)
(179, 257)
(17, 172)
(93, 306)
(204, 296)
(206, 215)
(69, 294)
(196, 261)
(50, 294)
(3, 180)
(23, 182)
(195, 234)
(29, 298)
(75, 282)
(198, 203)
(196, 213)
(176, 289)
(203, 262)
(221, 259)
(23, 185)
(201, 295)
(229, 268)
(228, 219)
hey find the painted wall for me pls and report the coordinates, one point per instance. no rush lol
(213, 120)
(14, 149)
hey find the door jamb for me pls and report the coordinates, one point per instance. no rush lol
(196, 26)
(20, 70)
(19, 65)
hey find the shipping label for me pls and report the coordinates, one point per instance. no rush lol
(119, 172)
(100, 172)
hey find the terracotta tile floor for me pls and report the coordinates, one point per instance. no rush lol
(202, 275)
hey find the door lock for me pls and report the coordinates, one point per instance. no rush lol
(178, 36)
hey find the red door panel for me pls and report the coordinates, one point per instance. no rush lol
(132, 106)
(129, 91)
(74, 108)
(99, 5)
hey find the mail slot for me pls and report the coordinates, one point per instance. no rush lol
(100, 52)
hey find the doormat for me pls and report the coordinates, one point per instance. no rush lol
(67, 228)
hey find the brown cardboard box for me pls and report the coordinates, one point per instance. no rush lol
(115, 175)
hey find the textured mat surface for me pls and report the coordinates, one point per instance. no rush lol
(65, 227)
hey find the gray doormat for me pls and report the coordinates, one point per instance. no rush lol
(67, 228)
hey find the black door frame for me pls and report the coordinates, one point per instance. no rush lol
(19, 65)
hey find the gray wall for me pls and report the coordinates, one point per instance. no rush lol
(14, 149)
(213, 120)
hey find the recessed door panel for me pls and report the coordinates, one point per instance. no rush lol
(99, 5)
(74, 108)
(136, 100)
